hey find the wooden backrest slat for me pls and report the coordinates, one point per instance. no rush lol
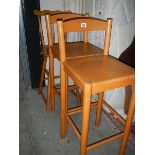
(87, 24)
(64, 16)
(44, 12)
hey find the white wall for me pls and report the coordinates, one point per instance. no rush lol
(123, 30)
(52, 4)
(123, 14)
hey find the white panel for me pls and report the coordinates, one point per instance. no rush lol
(115, 98)
(90, 7)
(125, 35)
(51, 4)
(130, 10)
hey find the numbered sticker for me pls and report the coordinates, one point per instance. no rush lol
(83, 25)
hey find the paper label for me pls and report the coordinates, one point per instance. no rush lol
(83, 25)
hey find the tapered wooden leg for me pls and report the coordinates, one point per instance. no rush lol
(85, 118)
(42, 75)
(48, 93)
(63, 121)
(77, 95)
(52, 83)
(81, 97)
(128, 123)
(66, 104)
(99, 109)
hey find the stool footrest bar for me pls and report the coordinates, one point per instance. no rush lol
(43, 97)
(72, 111)
(69, 87)
(46, 72)
(56, 77)
(57, 90)
(70, 121)
(106, 140)
(120, 118)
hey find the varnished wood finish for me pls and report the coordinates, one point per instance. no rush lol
(45, 54)
(75, 110)
(99, 109)
(50, 20)
(77, 49)
(70, 121)
(128, 123)
(65, 16)
(93, 74)
(85, 117)
(75, 25)
(104, 72)
(104, 141)
(44, 12)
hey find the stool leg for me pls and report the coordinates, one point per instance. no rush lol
(48, 92)
(63, 120)
(85, 118)
(99, 109)
(66, 104)
(52, 83)
(42, 75)
(78, 96)
(81, 97)
(128, 123)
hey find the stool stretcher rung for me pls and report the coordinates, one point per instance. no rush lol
(46, 72)
(44, 98)
(57, 90)
(104, 141)
(120, 118)
(70, 121)
(72, 111)
(56, 77)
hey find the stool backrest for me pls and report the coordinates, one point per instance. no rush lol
(82, 25)
(40, 13)
(51, 19)
(43, 13)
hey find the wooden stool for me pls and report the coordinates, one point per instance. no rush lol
(93, 74)
(45, 55)
(78, 49)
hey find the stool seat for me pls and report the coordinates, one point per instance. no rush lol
(103, 72)
(46, 51)
(77, 49)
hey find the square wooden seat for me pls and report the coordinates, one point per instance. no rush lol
(103, 72)
(77, 49)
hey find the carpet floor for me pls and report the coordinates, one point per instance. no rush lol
(39, 130)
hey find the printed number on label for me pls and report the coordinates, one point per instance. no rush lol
(83, 25)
